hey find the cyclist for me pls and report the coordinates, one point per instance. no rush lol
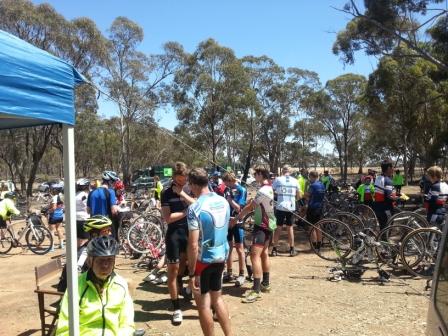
(286, 188)
(7, 208)
(326, 179)
(437, 196)
(237, 201)
(175, 202)
(105, 305)
(208, 249)
(93, 227)
(265, 225)
(119, 192)
(82, 193)
(157, 190)
(398, 181)
(366, 191)
(315, 197)
(56, 216)
(384, 194)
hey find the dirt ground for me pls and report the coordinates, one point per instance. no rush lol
(302, 301)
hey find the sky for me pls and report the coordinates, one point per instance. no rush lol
(294, 33)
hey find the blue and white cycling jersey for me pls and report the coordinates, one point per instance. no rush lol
(210, 214)
(286, 189)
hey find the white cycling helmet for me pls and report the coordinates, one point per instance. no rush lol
(110, 175)
(82, 182)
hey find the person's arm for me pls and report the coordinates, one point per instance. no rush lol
(247, 209)
(62, 326)
(113, 202)
(127, 326)
(12, 208)
(170, 217)
(183, 195)
(193, 246)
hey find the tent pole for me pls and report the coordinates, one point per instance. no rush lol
(70, 227)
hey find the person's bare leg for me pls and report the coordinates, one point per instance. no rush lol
(222, 312)
(255, 254)
(173, 270)
(203, 303)
(290, 236)
(265, 265)
(241, 257)
(277, 233)
(229, 259)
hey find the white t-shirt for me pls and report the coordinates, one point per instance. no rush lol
(81, 205)
(286, 189)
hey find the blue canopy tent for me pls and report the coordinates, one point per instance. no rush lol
(37, 88)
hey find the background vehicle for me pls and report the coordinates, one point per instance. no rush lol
(45, 186)
(144, 182)
(438, 307)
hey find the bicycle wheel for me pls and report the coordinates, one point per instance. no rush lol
(39, 239)
(336, 239)
(144, 236)
(367, 216)
(419, 251)
(6, 240)
(408, 218)
(390, 240)
(356, 224)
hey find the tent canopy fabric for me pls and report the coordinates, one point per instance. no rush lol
(36, 88)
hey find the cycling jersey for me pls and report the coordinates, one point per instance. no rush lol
(325, 179)
(240, 195)
(436, 198)
(286, 189)
(366, 192)
(8, 208)
(264, 216)
(210, 214)
(110, 314)
(303, 184)
(99, 203)
(81, 205)
(173, 201)
(383, 189)
(398, 180)
(317, 195)
(158, 190)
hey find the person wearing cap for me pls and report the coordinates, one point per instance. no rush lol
(105, 305)
(366, 191)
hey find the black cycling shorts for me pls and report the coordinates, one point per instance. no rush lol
(261, 237)
(313, 215)
(283, 217)
(80, 233)
(176, 241)
(52, 221)
(210, 277)
(2, 223)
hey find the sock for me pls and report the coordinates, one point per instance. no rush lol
(249, 270)
(241, 272)
(256, 287)
(175, 304)
(265, 278)
(229, 271)
(291, 248)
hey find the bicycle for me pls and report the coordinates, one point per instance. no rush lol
(38, 238)
(145, 234)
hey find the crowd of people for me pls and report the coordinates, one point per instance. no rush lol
(204, 218)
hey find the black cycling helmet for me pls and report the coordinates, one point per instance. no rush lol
(103, 246)
(10, 195)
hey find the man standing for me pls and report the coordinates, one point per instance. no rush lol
(315, 196)
(265, 225)
(208, 223)
(384, 196)
(102, 201)
(398, 181)
(287, 191)
(175, 202)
